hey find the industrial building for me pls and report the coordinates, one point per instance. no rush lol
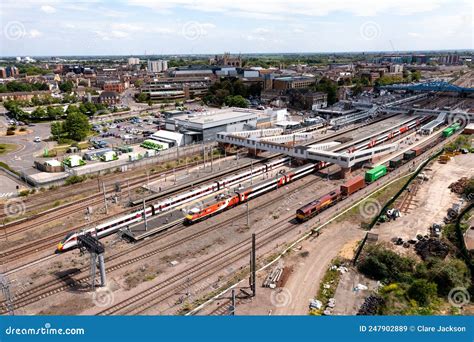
(176, 88)
(292, 82)
(205, 126)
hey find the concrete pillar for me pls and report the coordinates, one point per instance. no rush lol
(345, 172)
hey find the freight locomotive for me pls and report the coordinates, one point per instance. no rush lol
(315, 207)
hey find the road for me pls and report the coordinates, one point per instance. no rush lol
(22, 159)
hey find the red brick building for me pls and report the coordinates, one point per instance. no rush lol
(114, 86)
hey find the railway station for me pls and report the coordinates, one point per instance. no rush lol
(291, 180)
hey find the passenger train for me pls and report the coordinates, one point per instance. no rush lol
(110, 227)
(241, 196)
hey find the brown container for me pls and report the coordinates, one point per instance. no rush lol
(352, 185)
(418, 150)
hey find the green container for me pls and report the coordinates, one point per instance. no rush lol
(375, 173)
(456, 126)
(448, 132)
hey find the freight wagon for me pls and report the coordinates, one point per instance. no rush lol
(375, 173)
(396, 162)
(447, 132)
(409, 155)
(353, 185)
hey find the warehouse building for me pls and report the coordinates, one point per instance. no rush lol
(205, 126)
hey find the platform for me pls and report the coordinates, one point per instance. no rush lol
(164, 221)
(154, 225)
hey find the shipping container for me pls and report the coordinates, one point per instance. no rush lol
(375, 173)
(448, 132)
(418, 150)
(409, 155)
(353, 185)
(396, 162)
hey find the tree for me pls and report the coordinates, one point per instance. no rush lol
(357, 89)
(448, 274)
(422, 291)
(66, 87)
(143, 97)
(236, 101)
(57, 129)
(54, 113)
(329, 87)
(72, 109)
(77, 126)
(38, 114)
(416, 76)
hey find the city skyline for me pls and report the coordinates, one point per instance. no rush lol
(138, 27)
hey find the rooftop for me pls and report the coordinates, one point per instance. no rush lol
(217, 115)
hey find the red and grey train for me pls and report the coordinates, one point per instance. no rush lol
(241, 196)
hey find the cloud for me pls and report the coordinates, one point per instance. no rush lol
(127, 27)
(48, 9)
(262, 30)
(278, 9)
(251, 37)
(110, 35)
(33, 33)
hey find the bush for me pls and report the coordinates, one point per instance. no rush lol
(422, 291)
(65, 141)
(10, 132)
(383, 264)
(75, 179)
(24, 193)
(23, 129)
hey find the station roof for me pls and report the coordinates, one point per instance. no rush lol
(216, 118)
(167, 135)
(286, 123)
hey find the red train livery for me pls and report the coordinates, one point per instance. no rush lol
(315, 207)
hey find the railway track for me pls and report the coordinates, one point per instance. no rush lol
(65, 281)
(45, 290)
(135, 181)
(52, 240)
(31, 222)
(39, 245)
(167, 289)
(86, 188)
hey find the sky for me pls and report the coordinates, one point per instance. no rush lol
(138, 27)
